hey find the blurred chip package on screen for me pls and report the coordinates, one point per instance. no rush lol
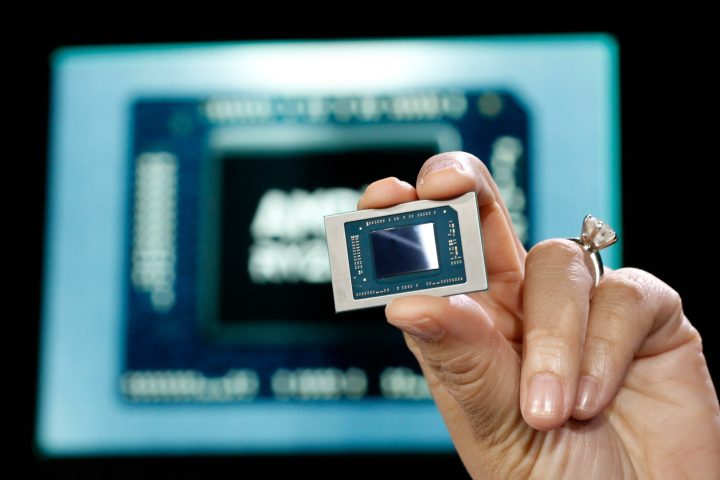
(189, 304)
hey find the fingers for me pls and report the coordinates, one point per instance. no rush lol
(632, 314)
(579, 341)
(457, 343)
(386, 193)
(447, 175)
(558, 285)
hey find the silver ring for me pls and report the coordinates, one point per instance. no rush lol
(595, 236)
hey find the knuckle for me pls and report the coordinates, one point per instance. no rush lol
(546, 344)
(628, 286)
(412, 346)
(696, 339)
(674, 299)
(556, 250)
(462, 374)
(693, 345)
(600, 349)
(689, 334)
(636, 273)
(693, 336)
(468, 378)
(641, 285)
(462, 367)
(601, 344)
(547, 336)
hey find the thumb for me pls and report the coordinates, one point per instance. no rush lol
(455, 341)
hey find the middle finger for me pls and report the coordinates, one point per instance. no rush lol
(556, 299)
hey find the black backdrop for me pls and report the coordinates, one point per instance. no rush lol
(667, 151)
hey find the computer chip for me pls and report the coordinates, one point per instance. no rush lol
(428, 246)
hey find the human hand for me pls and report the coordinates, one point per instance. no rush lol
(546, 375)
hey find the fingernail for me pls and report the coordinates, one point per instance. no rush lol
(587, 393)
(545, 396)
(440, 165)
(425, 329)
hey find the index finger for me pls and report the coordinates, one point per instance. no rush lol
(450, 174)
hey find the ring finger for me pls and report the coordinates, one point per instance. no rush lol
(632, 314)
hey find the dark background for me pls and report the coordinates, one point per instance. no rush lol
(243, 185)
(667, 152)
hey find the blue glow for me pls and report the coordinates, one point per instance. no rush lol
(569, 83)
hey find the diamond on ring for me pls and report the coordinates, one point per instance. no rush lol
(596, 235)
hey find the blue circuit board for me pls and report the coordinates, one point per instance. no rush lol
(384, 259)
(228, 283)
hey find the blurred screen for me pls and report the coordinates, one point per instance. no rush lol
(187, 298)
(273, 238)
